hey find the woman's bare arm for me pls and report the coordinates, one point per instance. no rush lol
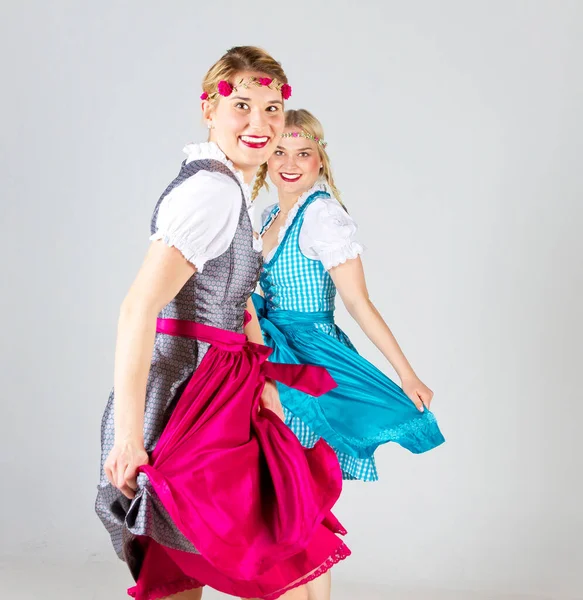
(351, 285)
(161, 276)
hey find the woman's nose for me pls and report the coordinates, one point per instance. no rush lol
(290, 162)
(257, 119)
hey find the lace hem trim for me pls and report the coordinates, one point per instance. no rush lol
(341, 553)
(184, 585)
(417, 435)
(166, 590)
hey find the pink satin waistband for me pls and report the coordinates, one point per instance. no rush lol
(310, 379)
(204, 333)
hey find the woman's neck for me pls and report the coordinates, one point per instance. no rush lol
(287, 201)
(247, 172)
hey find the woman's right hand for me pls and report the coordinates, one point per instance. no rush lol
(122, 464)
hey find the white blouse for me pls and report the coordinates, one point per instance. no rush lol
(328, 233)
(199, 217)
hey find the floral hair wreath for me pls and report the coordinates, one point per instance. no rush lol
(225, 89)
(308, 136)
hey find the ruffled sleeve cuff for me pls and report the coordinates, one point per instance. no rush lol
(332, 257)
(183, 243)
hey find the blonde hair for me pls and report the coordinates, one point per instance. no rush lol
(307, 122)
(260, 181)
(237, 60)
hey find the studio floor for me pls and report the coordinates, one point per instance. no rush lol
(108, 581)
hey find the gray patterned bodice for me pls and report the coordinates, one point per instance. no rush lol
(217, 296)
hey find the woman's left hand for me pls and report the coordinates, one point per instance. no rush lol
(418, 392)
(270, 399)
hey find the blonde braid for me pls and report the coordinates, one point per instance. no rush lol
(335, 190)
(260, 181)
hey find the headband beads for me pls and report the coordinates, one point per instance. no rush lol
(308, 136)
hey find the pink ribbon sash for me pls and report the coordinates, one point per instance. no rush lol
(310, 379)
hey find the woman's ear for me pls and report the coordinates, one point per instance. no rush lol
(208, 111)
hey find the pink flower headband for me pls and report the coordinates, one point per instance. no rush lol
(226, 89)
(308, 136)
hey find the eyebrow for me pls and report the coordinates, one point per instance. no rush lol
(298, 150)
(249, 100)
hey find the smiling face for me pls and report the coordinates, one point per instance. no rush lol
(295, 165)
(246, 125)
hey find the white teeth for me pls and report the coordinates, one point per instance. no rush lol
(289, 176)
(254, 140)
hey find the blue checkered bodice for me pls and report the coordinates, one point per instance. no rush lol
(290, 280)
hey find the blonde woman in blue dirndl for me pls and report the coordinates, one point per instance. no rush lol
(310, 252)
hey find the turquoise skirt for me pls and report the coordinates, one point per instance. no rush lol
(365, 410)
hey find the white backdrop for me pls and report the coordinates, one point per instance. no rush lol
(455, 131)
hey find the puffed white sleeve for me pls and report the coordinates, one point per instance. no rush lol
(199, 217)
(328, 233)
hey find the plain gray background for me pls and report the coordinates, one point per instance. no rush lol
(455, 130)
